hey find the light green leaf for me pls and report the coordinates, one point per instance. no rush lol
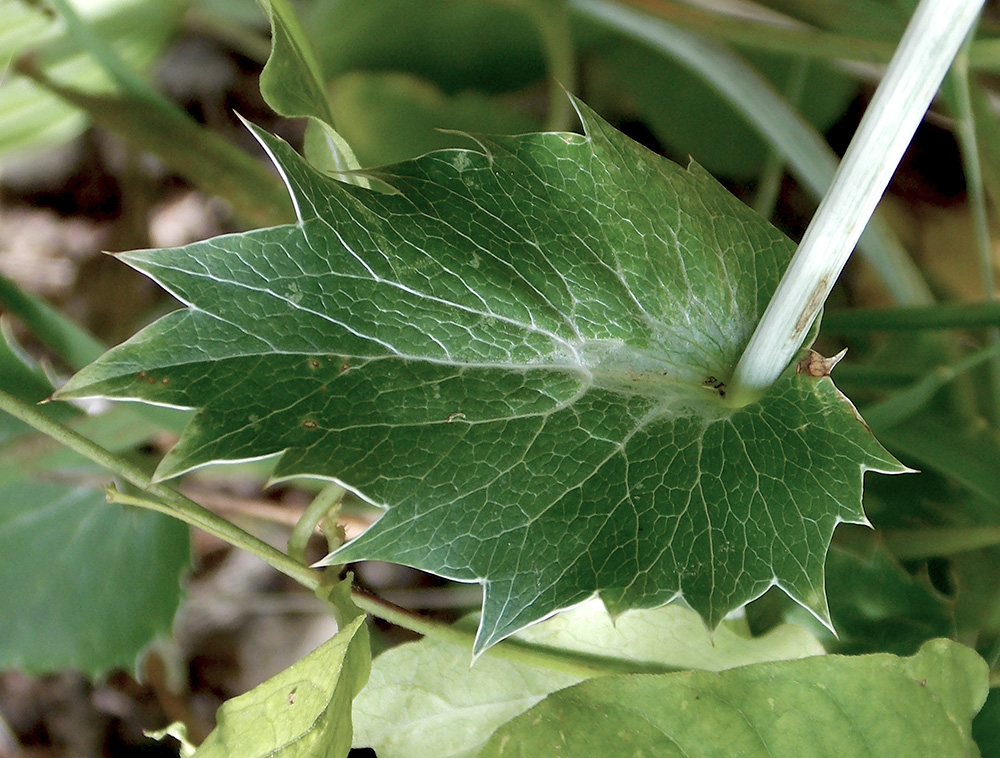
(305, 711)
(876, 705)
(520, 352)
(498, 45)
(423, 700)
(32, 119)
(72, 596)
(393, 116)
(87, 585)
(293, 86)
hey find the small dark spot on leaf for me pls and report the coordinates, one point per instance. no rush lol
(344, 366)
(291, 697)
(922, 682)
(309, 424)
(165, 381)
(709, 381)
(314, 363)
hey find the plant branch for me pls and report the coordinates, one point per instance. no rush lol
(933, 37)
(326, 501)
(166, 500)
(584, 665)
(968, 142)
(162, 498)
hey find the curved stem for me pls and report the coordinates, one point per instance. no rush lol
(935, 33)
(164, 498)
(327, 499)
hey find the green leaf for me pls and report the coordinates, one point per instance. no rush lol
(390, 117)
(823, 706)
(986, 726)
(303, 711)
(87, 585)
(521, 353)
(31, 119)
(73, 597)
(423, 700)
(497, 44)
(876, 605)
(293, 86)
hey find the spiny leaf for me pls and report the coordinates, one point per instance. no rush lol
(520, 351)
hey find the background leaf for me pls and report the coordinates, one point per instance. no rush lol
(31, 119)
(304, 711)
(824, 706)
(55, 612)
(388, 117)
(53, 615)
(423, 700)
(292, 84)
(521, 352)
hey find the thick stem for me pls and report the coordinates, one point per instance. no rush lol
(933, 37)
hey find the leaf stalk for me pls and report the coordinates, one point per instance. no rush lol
(165, 499)
(929, 45)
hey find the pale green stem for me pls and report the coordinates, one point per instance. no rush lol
(327, 499)
(169, 500)
(932, 39)
(976, 191)
(810, 159)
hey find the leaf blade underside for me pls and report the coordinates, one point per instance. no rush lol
(519, 351)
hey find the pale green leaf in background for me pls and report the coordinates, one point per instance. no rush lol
(55, 614)
(303, 712)
(822, 707)
(520, 351)
(389, 117)
(423, 700)
(32, 119)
